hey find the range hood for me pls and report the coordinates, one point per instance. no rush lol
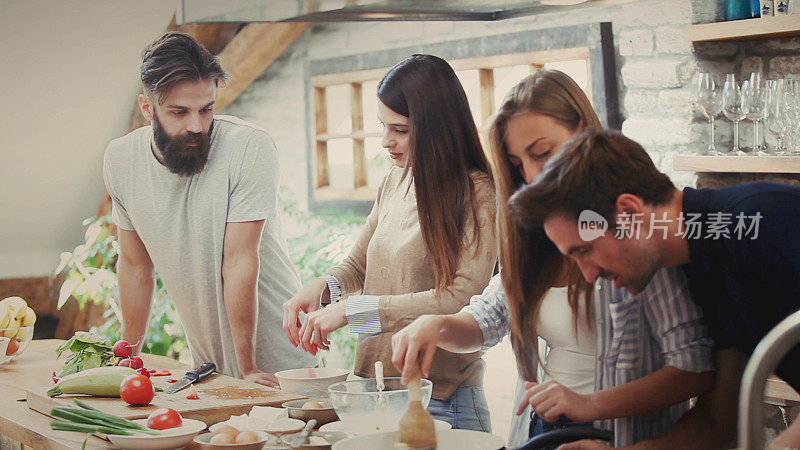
(216, 11)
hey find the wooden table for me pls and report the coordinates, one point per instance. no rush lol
(34, 368)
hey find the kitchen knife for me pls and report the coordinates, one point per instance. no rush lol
(199, 374)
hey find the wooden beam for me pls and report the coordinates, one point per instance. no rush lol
(359, 155)
(321, 126)
(487, 94)
(251, 51)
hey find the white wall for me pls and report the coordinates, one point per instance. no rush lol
(69, 78)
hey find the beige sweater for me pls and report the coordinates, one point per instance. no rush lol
(389, 259)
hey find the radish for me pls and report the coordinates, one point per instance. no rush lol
(122, 349)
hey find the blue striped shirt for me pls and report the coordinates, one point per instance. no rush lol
(640, 334)
(636, 335)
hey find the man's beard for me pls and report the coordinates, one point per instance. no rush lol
(176, 153)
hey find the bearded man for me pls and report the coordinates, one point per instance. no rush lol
(195, 198)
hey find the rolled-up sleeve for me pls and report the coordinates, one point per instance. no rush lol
(363, 315)
(490, 310)
(676, 322)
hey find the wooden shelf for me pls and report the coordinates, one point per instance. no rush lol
(746, 164)
(759, 28)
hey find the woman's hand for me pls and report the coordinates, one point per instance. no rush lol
(306, 300)
(314, 332)
(416, 344)
(551, 400)
(584, 445)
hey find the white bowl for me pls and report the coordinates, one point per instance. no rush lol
(357, 429)
(445, 439)
(168, 439)
(311, 382)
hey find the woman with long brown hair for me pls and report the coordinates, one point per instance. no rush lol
(652, 349)
(428, 244)
(536, 117)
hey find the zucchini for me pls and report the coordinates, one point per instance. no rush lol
(99, 381)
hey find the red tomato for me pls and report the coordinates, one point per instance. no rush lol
(137, 390)
(164, 418)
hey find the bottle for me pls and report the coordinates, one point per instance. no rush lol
(737, 9)
(767, 8)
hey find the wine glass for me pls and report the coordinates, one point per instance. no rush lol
(709, 103)
(754, 99)
(791, 97)
(733, 109)
(775, 120)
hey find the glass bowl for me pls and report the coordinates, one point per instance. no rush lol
(19, 338)
(359, 404)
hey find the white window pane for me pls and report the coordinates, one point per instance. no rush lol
(505, 78)
(378, 161)
(337, 102)
(471, 82)
(369, 97)
(577, 69)
(340, 163)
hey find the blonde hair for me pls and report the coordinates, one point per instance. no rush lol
(530, 263)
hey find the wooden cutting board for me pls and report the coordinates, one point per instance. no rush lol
(221, 396)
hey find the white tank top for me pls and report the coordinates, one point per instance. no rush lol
(570, 359)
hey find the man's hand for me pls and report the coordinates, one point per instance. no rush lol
(584, 445)
(265, 378)
(416, 344)
(306, 300)
(314, 332)
(551, 400)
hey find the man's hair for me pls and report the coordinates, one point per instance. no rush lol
(592, 170)
(176, 57)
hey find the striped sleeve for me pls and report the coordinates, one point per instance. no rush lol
(334, 287)
(490, 310)
(676, 322)
(363, 315)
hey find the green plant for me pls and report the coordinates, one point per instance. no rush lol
(90, 276)
(320, 242)
(324, 241)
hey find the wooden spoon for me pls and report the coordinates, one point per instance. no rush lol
(417, 430)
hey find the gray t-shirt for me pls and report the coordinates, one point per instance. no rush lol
(182, 221)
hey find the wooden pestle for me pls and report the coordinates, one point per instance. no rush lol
(417, 430)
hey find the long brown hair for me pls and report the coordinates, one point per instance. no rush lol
(444, 149)
(531, 263)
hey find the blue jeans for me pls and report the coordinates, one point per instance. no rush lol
(466, 409)
(539, 425)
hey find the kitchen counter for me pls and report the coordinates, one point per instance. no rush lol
(33, 370)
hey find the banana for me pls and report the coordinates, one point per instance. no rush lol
(29, 318)
(15, 303)
(22, 334)
(100, 381)
(5, 316)
(12, 328)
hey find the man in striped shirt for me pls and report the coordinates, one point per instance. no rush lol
(603, 203)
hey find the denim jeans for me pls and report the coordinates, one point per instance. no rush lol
(539, 425)
(466, 409)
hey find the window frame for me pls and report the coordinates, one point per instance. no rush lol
(593, 42)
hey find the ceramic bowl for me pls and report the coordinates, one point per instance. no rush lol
(446, 440)
(204, 439)
(312, 382)
(168, 439)
(324, 415)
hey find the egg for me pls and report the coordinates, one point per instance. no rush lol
(222, 438)
(226, 429)
(311, 404)
(246, 437)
